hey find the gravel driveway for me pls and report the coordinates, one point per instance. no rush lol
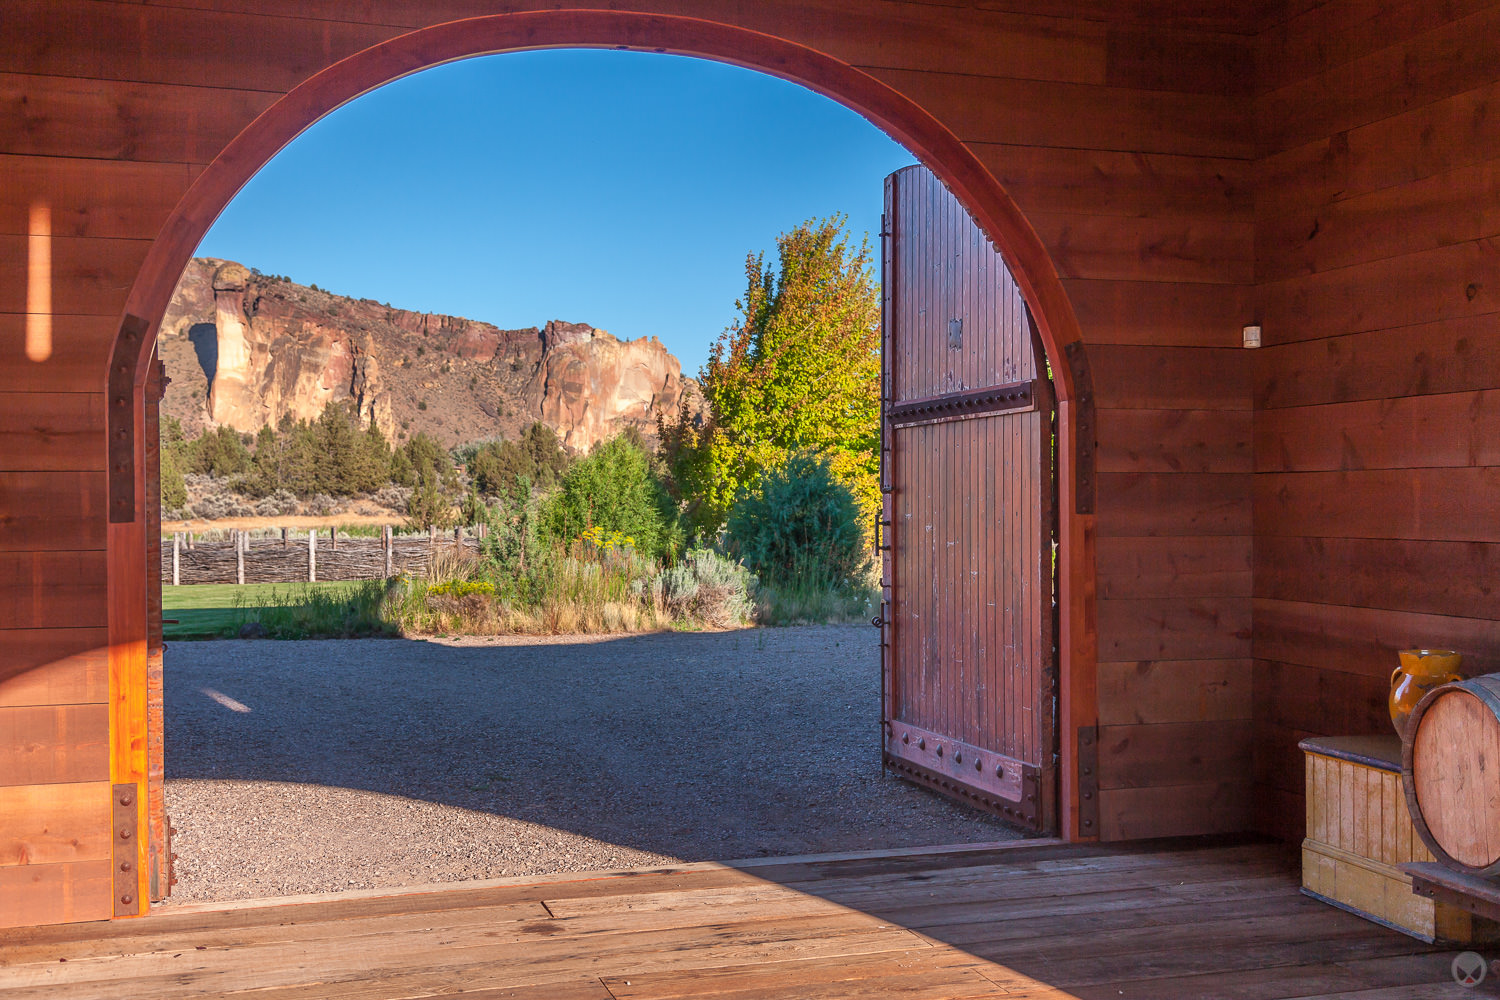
(317, 766)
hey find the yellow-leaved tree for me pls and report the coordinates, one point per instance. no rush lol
(798, 371)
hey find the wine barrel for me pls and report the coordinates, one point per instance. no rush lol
(1450, 769)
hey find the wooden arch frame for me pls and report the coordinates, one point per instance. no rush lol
(900, 117)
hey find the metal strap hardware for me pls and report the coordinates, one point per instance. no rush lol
(1011, 397)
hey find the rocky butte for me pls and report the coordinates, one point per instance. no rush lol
(244, 349)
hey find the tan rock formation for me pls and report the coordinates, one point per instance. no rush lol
(589, 384)
(246, 350)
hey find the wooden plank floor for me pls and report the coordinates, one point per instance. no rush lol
(1164, 921)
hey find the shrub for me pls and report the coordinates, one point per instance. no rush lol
(709, 588)
(799, 525)
(613, 489)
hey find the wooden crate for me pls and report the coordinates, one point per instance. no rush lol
(1359, 834)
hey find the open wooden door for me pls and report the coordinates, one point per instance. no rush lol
(968, 642)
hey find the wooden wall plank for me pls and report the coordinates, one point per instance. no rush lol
(1439, 578)
(55, 894)
(1365, 641)
(1175, 441)
(41, 589)
(1174, 810)
(60, 116)
(1446, 356)
(57, 666)
(165, 45)
(54, 743)
(1174, 628)
(1434, 212)
(1150, 504)
(54, 431)
(1340, 31)
(1328, 702)
(51, 824)
(1454, 282)
(1455, 57)
(1161, 314)
(1109, 183)
(1174, 566)
(51, 510)
(1171, 378)
(1438, 504)
(80, 353)
(1455, 430)
(1037, 113)
(1446, 136)
(89, 276)
(1178, 753)
(1138, 692)
(1148, 249)
(91, 198)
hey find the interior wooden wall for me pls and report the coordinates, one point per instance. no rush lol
(1132, 135)
(1377, 423)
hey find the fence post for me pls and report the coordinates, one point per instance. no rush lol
(176, 558)
(241, 542)
(333, 536)
(432, 534)
(286, 538)
(312, 555)
(190, 541)
(388, 537)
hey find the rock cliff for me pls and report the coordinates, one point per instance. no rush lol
(245, 349)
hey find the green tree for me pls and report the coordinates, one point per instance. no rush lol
(497, 467)
(613, 488)
(173, 486)
(219, 452)
(799, 524)
(799, 369)
(433, 479)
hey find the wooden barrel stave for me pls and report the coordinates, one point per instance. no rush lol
(1450, 769)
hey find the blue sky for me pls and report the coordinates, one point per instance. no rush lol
(618, 189)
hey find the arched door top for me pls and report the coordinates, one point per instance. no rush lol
(900, 117)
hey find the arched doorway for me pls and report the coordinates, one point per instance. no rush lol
(904, 120)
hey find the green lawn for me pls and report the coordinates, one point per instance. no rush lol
(210, 610)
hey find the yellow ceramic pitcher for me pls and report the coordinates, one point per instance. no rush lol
(1420, 671)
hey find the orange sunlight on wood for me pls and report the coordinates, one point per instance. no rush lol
(39, 283)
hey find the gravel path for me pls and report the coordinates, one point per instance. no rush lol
(317, 766)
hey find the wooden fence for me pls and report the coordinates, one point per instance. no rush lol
(297, 557)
